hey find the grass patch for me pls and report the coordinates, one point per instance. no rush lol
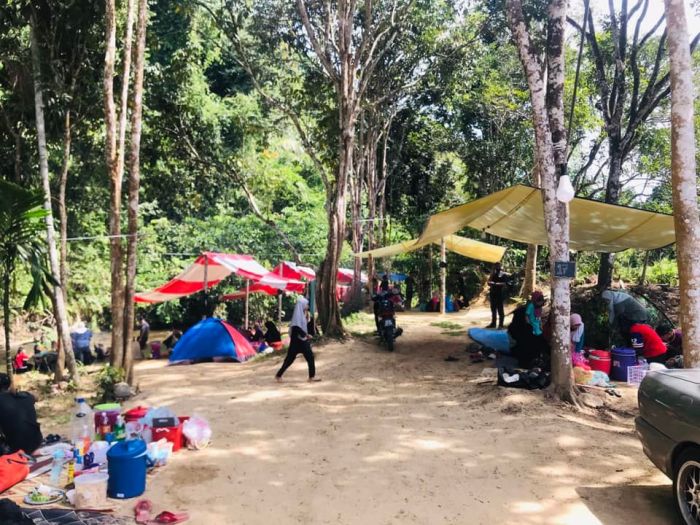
(358, 318)
(455, 333)
(447, 325)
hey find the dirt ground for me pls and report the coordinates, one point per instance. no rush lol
(394, 438)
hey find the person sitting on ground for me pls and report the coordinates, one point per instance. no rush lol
(22, 362)
(529, 349)
(19, 428)
(172, 339)
(434, 303)
(100, 352)
(258, 334)
(533, 312)
(673, 337)
(80, 337)
(272, 335)
(647, 342)
(577, 329)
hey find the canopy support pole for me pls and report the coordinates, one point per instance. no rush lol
(279, 301)
(206, 286)
(247, 295)
(443, 277)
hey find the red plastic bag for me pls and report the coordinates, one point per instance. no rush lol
(13, 469)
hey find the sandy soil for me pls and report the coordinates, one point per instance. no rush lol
(397, 438)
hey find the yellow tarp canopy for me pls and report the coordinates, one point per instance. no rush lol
(461, 245)
(517, 214)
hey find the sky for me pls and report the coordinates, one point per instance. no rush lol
(655, 10)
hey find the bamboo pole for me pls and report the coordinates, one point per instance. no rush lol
(247, 296)
(443, 277)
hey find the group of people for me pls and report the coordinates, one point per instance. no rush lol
(530, 335)
(271, 336)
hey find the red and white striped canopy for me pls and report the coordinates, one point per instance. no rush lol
(345, 276)
(212, 267)
(294, 271)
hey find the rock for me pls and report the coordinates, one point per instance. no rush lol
(122, 390)
(591, 400)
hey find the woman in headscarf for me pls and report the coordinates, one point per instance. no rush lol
(299, 341)
(577, 327)
(533, 311)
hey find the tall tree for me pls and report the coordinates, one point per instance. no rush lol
(550, 141)
(134, 184)
(60, 312)
(684, 179)
(632, 81)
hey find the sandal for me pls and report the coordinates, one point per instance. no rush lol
(142, 511)
(170, 518)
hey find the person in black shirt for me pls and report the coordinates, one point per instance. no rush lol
(410, 284)
(19, 429)
(497, 291)
(299, 341)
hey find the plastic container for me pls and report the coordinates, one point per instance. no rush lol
(600, 360)
(622, 358)
(113, 411)
(128, 461)
(135, 414)
(99, 449)
(56, 467)
(636, 374)
(91, 491)
(171, 434)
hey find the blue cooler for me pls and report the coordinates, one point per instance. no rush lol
(621, 359)
(127, 462)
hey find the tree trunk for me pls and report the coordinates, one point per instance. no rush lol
(548, 115)
(530, 280)
(134, 184)
(612, 196)
(643, 276)
(60, 312)
(62, 212)
(115, 250)
(7, 322)
(684, 179)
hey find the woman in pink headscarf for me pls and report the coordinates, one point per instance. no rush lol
(576, 327)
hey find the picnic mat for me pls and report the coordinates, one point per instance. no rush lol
(496, 339)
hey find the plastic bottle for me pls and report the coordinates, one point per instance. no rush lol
(120, 429)
(56, 467)
(71, 471)
(82, 417)
(105, 427)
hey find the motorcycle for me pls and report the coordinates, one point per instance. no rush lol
(385, 307)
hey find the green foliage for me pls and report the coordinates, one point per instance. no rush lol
(447, 325)
(107, 378)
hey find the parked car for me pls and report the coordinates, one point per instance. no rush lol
(668, 426)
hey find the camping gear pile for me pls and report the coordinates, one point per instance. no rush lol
(109, 455)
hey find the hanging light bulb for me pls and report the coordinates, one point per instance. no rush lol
(565, 190)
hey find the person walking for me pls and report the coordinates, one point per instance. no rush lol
(144, 332)
(410, 284)
(299, 341)
(497, 290)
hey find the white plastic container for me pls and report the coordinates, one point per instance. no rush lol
(91, 491)
(100, 448)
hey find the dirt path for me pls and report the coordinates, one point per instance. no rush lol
(396, 438)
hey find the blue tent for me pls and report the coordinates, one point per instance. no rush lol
(212, 338)
(397, 277)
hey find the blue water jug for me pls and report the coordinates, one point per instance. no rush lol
(127, 463)
(622, 358)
